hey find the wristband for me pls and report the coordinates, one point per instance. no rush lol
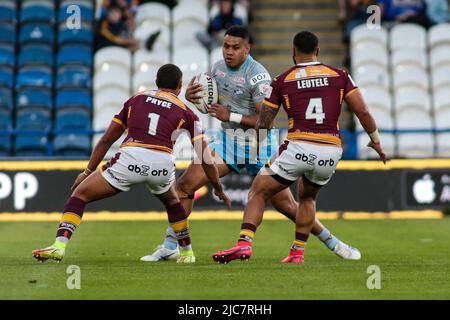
(235, 117)
(375, 136)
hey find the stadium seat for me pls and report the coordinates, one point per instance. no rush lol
(31, 145)
(66, 10)
(5, 138)
(362, 34)
(369, 53)
(443, 145)
(34, 98)
(145, 80)
(36, 32)
(73, 98)
(37, 11)
(439, 57)
(371, 75)
(442, 108)
(8, 12)
(157, 12)
(7, 57)
(415, 145)
(410, 76)
(108, 102)
(74, 54)
(387, 140)
(33, 119)
(144, 59)
(413, 119)
(6, 100)
(417, 58)
(35, 77)
(216, 55)
(115, 76)
(412, 97)
(74, 76)
(377, 97)
(72, 120)
(106, 57)
(191, 60)
(439, 35)
(186, 11)
(6, 77)
(35, 54)
(86, 3)
(185, 32)
(7, 34)
(441, 78)
(75, 36)
(148, 28)
(408, 36)
(75, 145)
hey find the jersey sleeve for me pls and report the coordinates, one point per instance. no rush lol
(193, 126)
(122, 117)
(260, 84)
(350, 85)
(273, 96)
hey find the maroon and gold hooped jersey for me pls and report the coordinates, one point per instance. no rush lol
(153, 119)
(312, 96)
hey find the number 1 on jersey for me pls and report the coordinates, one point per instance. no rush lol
(153, 124)
(315, 110)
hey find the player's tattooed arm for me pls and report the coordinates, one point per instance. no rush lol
(266, 116)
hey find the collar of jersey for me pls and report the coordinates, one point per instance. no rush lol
(243, 66)
(308, 63)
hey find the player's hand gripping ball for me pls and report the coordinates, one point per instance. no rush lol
(209, 95)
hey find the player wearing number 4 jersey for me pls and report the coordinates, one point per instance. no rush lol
(153, 120)
(311, 94)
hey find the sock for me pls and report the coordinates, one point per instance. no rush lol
(180, 225)
(247, 234)
(170, 242)
(299, 242)
(70, 220)
(328, 239)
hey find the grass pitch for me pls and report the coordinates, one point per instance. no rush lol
(413, 256)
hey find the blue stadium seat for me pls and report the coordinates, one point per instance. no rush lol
(73, 98)
(35, 54)
(74, 54)
(37, 12)
(8, 13)
(5, 140)
(7, 58)
(87, 14)
(31, 145)
(6, 78)
(34, 98)
(34, 77)
(75, 145)
(36, 32)
(74, 76)
(72, 36)
(7, 33)
(6, 100)
(73, 120)
(33, 119)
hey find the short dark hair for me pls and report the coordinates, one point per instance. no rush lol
(168, 76)
(238, 31)
(306, 42)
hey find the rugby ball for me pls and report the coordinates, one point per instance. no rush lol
(209, 95)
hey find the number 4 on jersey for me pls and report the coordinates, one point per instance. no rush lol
(315, 110)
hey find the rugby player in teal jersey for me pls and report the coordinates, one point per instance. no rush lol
(243, 83)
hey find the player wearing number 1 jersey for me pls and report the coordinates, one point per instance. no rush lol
(153, 120)
(312, 94)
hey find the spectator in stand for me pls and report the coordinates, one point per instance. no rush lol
(438, 11)
(112, 31)
(406, 11)
(128, 8)
(219, 24)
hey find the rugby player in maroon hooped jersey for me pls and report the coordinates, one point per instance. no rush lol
(311, 94)
(153, 119)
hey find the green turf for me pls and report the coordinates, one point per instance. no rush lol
(413, 255)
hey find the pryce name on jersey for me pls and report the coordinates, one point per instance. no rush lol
(160, 103)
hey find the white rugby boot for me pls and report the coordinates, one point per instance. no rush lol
(161, 253)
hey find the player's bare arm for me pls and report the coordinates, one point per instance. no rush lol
(111, 135)
(208, 164)
(266, 116)
(359, 107)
